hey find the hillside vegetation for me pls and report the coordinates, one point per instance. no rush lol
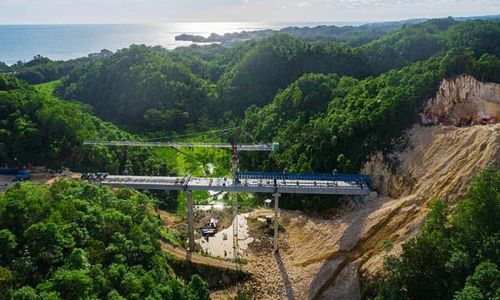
(268, 82)
(329, 105)
(152, 89)
(320, 114)
(313, 99)
(39, 129)
(78, 241)
(456, 255)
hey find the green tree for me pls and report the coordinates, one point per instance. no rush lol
(198, 289)
(72, 284)
(456, 259)
(25, 293)
(81, 241)
(7, 244)
(483, 284)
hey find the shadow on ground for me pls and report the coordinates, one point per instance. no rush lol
(284, 275)
(336, 262)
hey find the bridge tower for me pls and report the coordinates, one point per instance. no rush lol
(234, 146)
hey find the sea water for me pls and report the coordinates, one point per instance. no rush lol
(62, 42)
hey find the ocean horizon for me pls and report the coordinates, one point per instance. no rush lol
(63, 42)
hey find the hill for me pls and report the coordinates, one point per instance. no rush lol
(149, 89)
(75, 240)
(324, 34)
(328, 258)
(39, 129)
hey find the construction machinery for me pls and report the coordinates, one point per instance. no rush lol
(277, 183)
(234, 146)
(21, 175)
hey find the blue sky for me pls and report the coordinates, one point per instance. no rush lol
(159, 11)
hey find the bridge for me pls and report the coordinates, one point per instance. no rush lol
(254, 182)
(276, 183)
(334, 176)
(239, 147)
(259, 185)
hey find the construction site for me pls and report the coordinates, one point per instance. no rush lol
(288, 254)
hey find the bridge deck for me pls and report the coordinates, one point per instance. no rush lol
(305, 176)
(282, 186)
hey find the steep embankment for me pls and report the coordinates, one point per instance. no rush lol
(323, 259)
(463, 101)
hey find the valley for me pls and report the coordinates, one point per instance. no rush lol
(380, 142)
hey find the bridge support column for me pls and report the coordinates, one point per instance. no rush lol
(236, 229)
(190, 220)
(276, 222)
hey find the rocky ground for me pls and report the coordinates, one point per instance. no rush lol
(324, 259)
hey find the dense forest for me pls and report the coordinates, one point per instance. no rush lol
(73, 240)
(155, 90)
(41, 69)
(39, 129)
(456, 256)
(78, 241)
(322, 34)
(323, 113)
(159, 85)
(312, 98)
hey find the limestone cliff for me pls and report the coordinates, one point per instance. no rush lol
(324, 259)
(463, 101)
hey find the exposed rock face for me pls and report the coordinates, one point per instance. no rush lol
(439, 163)
(385, 180)
(463, 101)
(324, 259)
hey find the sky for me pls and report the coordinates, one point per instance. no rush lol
(164, 11)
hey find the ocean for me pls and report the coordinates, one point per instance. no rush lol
(62, 42)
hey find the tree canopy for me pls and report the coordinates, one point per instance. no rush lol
(148, 88)
(141, 87)
(456, 255)
(38, 129)
(320, 114)
(78, 241)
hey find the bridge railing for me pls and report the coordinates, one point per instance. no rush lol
(217, 183)
(305, 176)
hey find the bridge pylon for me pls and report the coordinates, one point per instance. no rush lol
(189, 195)
(276, 221)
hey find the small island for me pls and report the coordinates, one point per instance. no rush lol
(351, 35)
(227, 38)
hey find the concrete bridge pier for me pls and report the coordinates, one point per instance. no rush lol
(276, 222)
(190, 220)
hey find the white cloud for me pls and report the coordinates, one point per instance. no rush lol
(153, 11)
(304, 4)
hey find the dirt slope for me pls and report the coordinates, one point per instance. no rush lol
(323, 259)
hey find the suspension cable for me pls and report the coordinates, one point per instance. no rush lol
(190, 134)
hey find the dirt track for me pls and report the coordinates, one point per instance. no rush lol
(195, 258)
